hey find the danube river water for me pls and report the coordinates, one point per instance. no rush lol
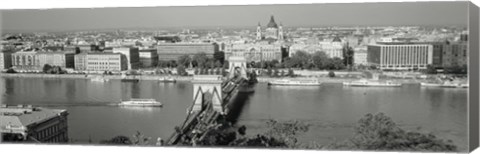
(331, 109)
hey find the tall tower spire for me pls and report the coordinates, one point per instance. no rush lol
(280, 32)
(259, 32)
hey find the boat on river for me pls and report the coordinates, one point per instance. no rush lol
(295, 82)
(139, 102)
(126, 78)
(371, 83)
(99, 79)
(167, 79)
(445, 85)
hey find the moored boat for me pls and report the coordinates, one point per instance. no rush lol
(99, 79)
(141, 103)
(367, 83)
(464, 85)
(167, 79)
(445, 85)
(425, 84)
(126, 78)
(295, 82)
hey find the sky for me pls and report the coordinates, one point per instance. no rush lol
(349, 14)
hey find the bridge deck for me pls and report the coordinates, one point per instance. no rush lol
(197, 124)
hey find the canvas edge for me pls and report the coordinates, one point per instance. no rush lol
(473, 76)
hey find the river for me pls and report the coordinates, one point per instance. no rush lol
(331, 108)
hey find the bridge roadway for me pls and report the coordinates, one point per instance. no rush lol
(198, 123)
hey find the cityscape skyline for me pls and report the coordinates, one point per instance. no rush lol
(290, 15)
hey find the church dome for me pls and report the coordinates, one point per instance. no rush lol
(272, 23)
(337, 39)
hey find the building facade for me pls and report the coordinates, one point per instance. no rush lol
(255, 52)
(31, 124)
(400, 57)
(455, 54)
(62, 59)
(437, 52)
(26, 61)
(5, 60)
(148, 57)
(331, 48)
(172, 51)
(100, 62)
(132, 54)
(360, 56)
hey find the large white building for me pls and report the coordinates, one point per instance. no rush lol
(400, 57)
(100, 62)
(360, 56)
(331, 48)
(254, 51)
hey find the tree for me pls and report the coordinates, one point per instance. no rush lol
(47, 68)
(223, 71)
(275, 64)
(173, 63)
(196, 72)
(218, 64)
(184, 60)
(226, 64)
(212, 71)
(299, 59)
(219, 56)
(348, 55)
(210, 63)
(162, 64)
(290, 72)
(140, 139)
(200, 59)
(379, 132)
(11, 70)
(275, 72)
(320, 59)
(431, 70)
(335, 64)
(269, 71)
(331, 74)
(181, 70)
(118, 140)
(282, 73)
(456, 69)
(258, 64)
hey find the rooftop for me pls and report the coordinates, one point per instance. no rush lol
(23, 116)
(272, 23)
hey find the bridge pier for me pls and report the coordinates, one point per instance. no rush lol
(237, 65)
(207, 84)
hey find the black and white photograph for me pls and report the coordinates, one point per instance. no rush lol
(372, 76)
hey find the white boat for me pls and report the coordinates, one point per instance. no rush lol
(424, 84)
(367, 83)
(295, 82)
(99, 79)
(463, 85)
(141, 103)
(445, 85)
(167, 79)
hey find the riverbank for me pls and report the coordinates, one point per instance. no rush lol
(190, 78)
(90, 76)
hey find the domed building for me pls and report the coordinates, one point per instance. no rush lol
(272, 33)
